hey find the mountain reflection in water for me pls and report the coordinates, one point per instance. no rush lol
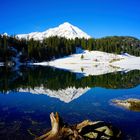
(56, 79)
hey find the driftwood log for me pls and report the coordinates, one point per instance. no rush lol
(85, 130)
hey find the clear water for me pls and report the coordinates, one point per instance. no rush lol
(24, 111)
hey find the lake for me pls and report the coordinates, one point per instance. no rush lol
(29, 94)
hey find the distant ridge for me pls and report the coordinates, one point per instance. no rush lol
(66, 30)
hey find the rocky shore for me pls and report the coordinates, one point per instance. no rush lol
(130, 104)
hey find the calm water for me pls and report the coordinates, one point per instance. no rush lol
(22, 109)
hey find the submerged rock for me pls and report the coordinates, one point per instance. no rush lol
(131, 104)
(85, 130)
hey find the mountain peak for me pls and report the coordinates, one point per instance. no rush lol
(66, 24)
(66, 30)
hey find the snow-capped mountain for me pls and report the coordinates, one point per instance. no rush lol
(64, 30)
(66, 95)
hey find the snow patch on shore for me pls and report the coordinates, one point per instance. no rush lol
(95, 62)
(130, 63)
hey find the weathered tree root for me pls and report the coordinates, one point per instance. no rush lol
(85, 130)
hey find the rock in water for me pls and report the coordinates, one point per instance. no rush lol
(131, 104)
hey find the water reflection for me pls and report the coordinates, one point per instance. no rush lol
(76, 98)
(43, 79)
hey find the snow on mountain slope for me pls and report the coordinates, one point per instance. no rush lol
(64, 30)
(66, 95)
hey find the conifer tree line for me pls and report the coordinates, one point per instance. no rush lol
(56, 47)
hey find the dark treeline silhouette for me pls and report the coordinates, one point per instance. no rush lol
(55, 79)
(48, 49)
(56, 47)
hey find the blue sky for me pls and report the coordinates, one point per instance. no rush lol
(98, 18)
